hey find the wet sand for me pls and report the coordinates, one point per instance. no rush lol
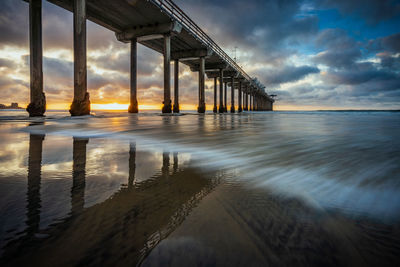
(249, 190)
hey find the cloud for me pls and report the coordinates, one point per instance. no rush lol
(288, 74)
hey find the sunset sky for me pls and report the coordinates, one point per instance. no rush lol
(328, 54)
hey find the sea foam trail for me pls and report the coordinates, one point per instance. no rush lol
(323, 159)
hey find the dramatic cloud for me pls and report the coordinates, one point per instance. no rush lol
(295, 48)
(289, 74)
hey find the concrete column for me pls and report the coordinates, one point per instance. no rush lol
(246, 100)
(37, 106)
(221, 89)
(167, 75)
(81, 103)
(202, 104)
(78, 175)
(176, 86)
(34, 180)
(240, 97)
(232, 95)
(133, 107)
(215, 109)
(251, 102)
(225, 97)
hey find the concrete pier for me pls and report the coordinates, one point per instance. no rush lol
(176, 86)
(157, 24)
(232, 94)
(81, 103)
(37, 105)
(225, 97)
(167, 108)
(215, 109)
(221, 91)
(133, 107)
(240, 97)
(202, 104)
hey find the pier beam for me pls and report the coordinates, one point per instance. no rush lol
(225, 97)
(232, 94)
(81, 103)
(221, 89)
(240, 97)
(202, 105)
(176, 86)
(167, 75)
(37, 106)
(133, 107)
(215, 109)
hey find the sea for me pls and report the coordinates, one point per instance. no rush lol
(305, 188)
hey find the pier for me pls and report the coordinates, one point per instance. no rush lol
(157, 24)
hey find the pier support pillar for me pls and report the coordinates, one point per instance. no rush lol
(221, 91)
(133, 107)
(37, 105)
(81, 103)
(240, 97)
(225, 97)
(167, 75)
(251, 102)
(215, 109)
(202, 105)
(232, 94)
(176, 86)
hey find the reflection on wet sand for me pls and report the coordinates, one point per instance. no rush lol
(128, 225)
(78, 176)
(33, 192)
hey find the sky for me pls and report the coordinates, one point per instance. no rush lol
(313, 54)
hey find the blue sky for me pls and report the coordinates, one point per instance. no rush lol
(313, 54)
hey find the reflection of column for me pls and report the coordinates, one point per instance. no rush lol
(132, 164)
(175, 166)
(34, 175)
(78, 175)
(165, 165)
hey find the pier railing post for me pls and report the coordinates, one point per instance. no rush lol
(202, 105)
(221, 91)
(215, 109)
(232, 94)
(37, 105)
(240, 97)
(176, 86)
(167, 74)
(81, 103)
(133, 107)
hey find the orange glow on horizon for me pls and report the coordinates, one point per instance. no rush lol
(124, 107)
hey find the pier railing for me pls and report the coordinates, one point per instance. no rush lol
(170, 8)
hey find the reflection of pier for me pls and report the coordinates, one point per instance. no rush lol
(127, 225)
